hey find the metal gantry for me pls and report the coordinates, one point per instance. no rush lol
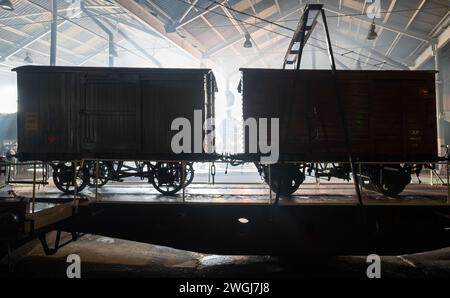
(303, 32)
(293, 56)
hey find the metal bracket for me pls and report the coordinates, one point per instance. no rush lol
(51, 251)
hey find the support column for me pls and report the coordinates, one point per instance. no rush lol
(439, 104)
(54, 31)
(111, 51)
(313, 60)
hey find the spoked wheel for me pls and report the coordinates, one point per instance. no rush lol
(166, 177)
(64, 174)
(369, 185)
(390, 180)
(189, 174)
(284, 178)
(103, 174)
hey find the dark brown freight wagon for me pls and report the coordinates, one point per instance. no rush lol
(72, 113)
(389, 116)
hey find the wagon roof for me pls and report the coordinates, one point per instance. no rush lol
(354, 74)
(339, 71)
(34, 68)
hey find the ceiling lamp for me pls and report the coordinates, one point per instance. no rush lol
(372, 33)
(28, 59)
(7, 5)
(248, 43)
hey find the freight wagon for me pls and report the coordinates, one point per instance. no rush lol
(384, 120)
(73, 113)
(373, 116)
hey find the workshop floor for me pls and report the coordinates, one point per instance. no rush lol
(256, 193)
(107, 257)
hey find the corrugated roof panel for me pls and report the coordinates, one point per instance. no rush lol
(174, 8)
(414, 55)
(4, 45)
(11, 36)
(262, 5)
(429, 16)
(403, 12)
(385, 39)
(355, 6)
(200, 7)
(405, 46)
(222, 24)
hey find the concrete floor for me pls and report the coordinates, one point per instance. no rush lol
(107, 257)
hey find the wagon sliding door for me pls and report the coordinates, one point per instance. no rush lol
(166, 98)
(110, 115)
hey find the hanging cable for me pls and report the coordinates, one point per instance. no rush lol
(287, 36)
(334, 16)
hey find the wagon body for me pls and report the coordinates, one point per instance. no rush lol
(70, 113)
(389, 115)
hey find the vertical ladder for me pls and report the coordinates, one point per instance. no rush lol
(293, 57)
(304, 30)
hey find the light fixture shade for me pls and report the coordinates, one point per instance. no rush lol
(372, 33)
(28, 59)
(248, 43)
(6, 4)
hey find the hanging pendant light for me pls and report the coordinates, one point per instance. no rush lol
(248, 42)
(28, 58)
(6, 5)
(372, 33)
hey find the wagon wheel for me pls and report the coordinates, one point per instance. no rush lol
(368, 184)
(63, 177)
(288, 184)
(103, 174)
(285, 179)
(391, 182)
(390, 190)
(166, 177)
(189, 174)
